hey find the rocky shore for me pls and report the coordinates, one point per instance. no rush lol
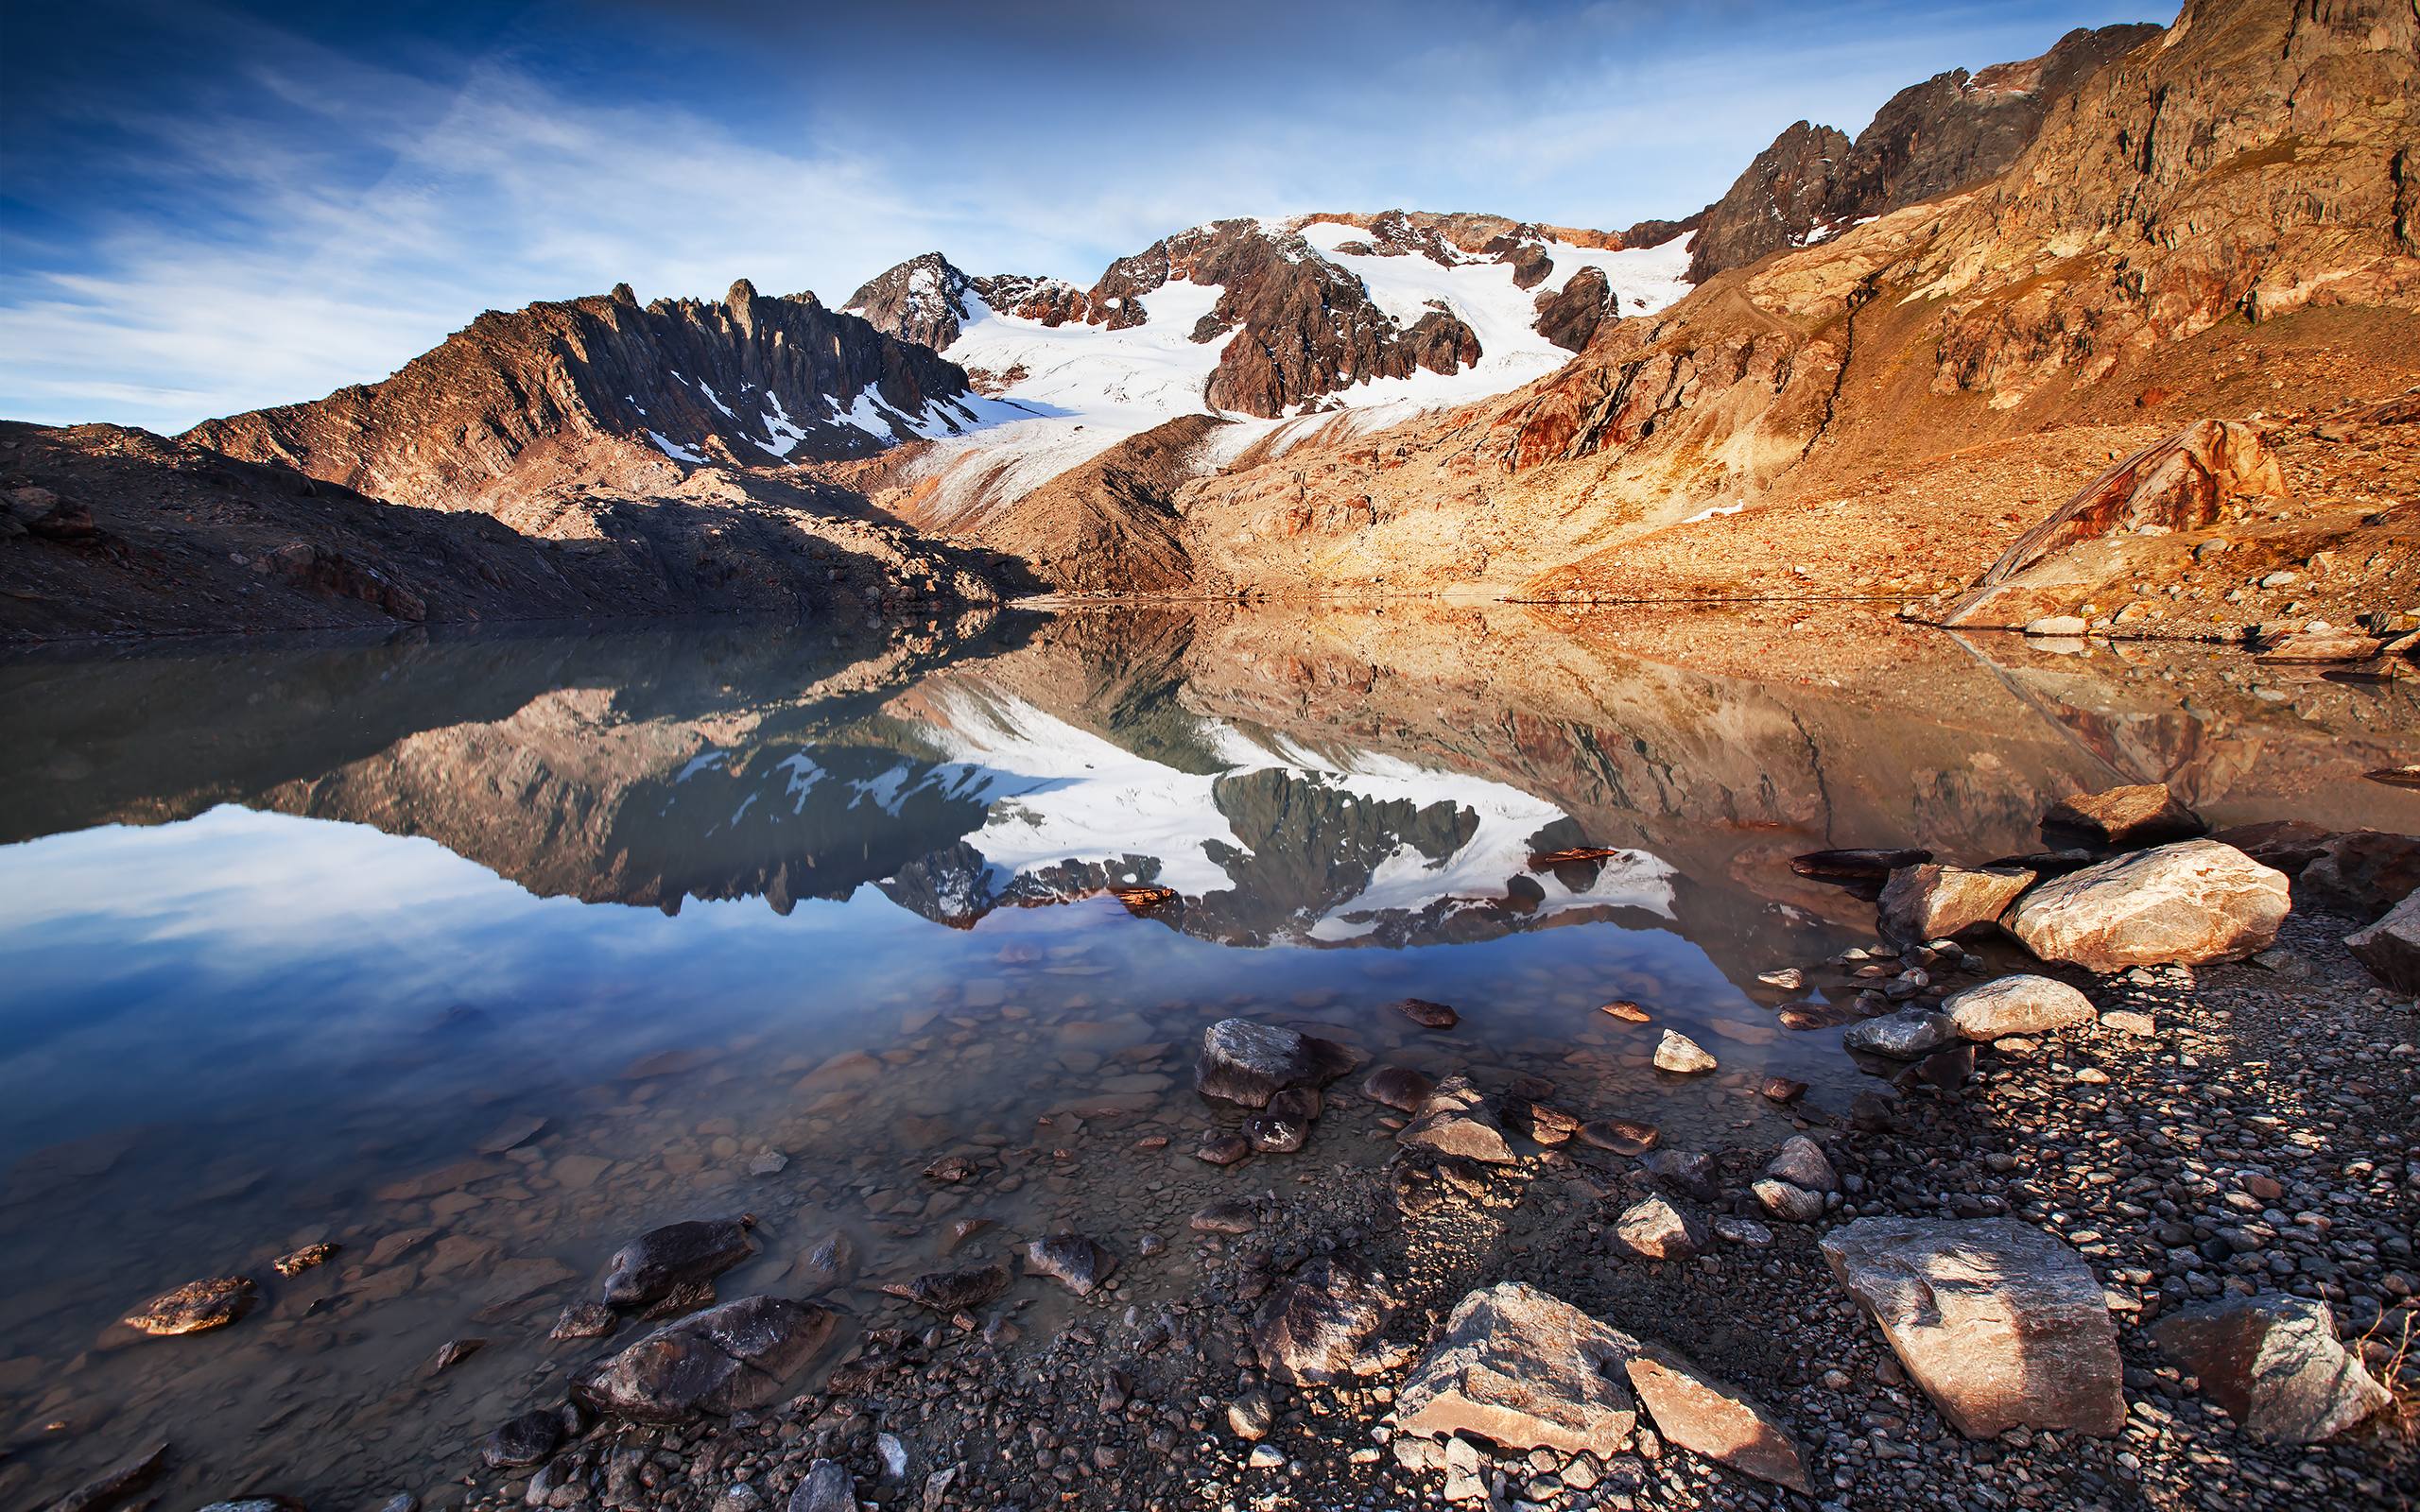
(2133, 1238)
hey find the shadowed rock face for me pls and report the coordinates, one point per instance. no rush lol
(1950, 132)
(572, 393)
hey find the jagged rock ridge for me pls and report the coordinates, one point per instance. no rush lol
(1952, 132)
(594, 392)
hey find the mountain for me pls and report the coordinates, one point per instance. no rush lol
(1950, 132)
(599, 391)
(1237, 338)
(2219, 222)
(1257, 317)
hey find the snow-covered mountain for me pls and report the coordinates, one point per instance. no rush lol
(1277, 325)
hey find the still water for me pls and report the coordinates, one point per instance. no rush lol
(476, 956)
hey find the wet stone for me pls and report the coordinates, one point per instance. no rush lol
(948, 1291)
(1272, 1134)
(1398, 1086)
(522, 1440)
(654, 1265)
(1243, 1061)
(306, 1257)
(1426, 1014)
(585, 1320)
(196, 1306)
(1222, 1146)
(1071, 1260)
(1228, 1218)
(728, 1359)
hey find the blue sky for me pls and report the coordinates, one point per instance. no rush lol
(206, 207)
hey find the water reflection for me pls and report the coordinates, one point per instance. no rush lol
(300, 934)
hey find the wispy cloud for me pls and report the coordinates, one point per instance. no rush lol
(315, 215)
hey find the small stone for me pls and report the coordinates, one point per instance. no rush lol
(1678, 1054)
(196, 1306)
(1652, 1229)
(2017, 1005)
(1249, 1417)
(1907, 1035)
(1426, 1014)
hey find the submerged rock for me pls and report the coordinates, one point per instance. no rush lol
(1232, 1217)
(1426, 1014)
(1246, 1063)
(1275, 1133)
(951, 1291)
(1857, 866)
(654, 1265)
(306, 1257)
(120, 1481)
(2273, 1361)
(1623, 1136)
(728, 1359)
(1398, 1086)
(2188, 903)
(1222, 1146)
(2001, 1324)
(196, 1306)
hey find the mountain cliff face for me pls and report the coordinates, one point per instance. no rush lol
(598, 390)
(1950, 132)
(2232, 199)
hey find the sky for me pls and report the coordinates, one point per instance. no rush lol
(206, 207)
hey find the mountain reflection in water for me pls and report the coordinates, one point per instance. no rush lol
(233, 1027)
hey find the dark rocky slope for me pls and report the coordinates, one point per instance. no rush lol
(108, 531)
(594, 392)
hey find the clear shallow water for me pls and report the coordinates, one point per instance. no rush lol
(479, 957)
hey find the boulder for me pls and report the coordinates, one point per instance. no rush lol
(196, 1306)
(2289, 845)
(2273, 1361)
(649, 1267)
(1652, 1229)
(2391, 947)
(1704, 1415)
(2188, 903)
(727, 1359)
(828, 1487)
(2001, 1324)
(1690, 1173)
(1456, 1120)
(2016, 1005)
(1678, 1054)
(1522, 1369)
(1275, 1133)
(2127, 818)
(1071, 1260)
(1249, 1063)
(1909, 1034)
(1934, 901)
(1313, 1326)
(2361, 873)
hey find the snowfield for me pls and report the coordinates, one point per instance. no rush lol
(1093, 387)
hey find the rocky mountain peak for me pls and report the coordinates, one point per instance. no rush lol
(1953, 131)
(598, 392)
(922, 299)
